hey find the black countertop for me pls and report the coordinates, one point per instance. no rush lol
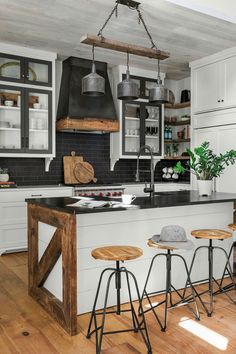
(161, 200)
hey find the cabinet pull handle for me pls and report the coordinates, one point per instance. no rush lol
(22, 141)
(27, 142)
(36, 195)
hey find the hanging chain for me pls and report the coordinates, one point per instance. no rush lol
(114, 10)
(140, 18)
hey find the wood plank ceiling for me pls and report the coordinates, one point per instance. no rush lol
(57, 25)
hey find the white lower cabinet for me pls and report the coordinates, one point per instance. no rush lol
(137, 189)
(13, 214)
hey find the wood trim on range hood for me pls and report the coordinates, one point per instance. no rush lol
(87, 124)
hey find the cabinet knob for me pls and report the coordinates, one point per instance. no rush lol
(222, 100)
(218, 100)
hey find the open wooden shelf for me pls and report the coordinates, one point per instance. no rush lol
(177, 141)
(177, 105)
(186, 122)
(176, 158)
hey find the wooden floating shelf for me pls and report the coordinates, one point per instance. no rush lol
(123, 47)
(177, 105)
(177, 141)
(186, 122)
(88, 124)
(176, 158)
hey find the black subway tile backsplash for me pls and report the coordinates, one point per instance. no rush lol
(94, 148)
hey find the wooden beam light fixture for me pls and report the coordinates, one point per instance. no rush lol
(100, 41)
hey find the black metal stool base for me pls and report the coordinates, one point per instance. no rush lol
(138, 325)
(232, 285)
(168, 302)
(211, 279)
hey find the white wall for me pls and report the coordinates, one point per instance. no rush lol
(225, 10)
(176, 86)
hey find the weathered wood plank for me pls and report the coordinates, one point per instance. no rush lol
(123, 47)
(89, 124)
(50, 257)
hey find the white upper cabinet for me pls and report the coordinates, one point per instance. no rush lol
(214, 82)
(206, 88)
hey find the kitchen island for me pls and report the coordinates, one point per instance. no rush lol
(62, 274)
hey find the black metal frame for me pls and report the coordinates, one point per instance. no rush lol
(211, 278)
(226, 271)
(168, 291)
(137, 325)
(24, 119)
(24, 63)
(142, 106)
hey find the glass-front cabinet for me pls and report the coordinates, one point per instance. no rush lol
(25, 120)
(141, 126)
(25, 70)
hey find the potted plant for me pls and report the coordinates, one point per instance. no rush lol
(206, 165)
(4, 176)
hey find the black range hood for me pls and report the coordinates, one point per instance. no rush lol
(77, 112)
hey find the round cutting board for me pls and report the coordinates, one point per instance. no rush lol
(84, 172)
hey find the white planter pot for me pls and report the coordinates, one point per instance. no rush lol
(205, 187)
(4, 177)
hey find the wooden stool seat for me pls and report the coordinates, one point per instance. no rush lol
(150, 243)
(232, 227)
(117, 253)
(211, 234)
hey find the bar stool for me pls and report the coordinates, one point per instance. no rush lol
(117, 254)
(232, 285)
(210, 234)
(169, 286)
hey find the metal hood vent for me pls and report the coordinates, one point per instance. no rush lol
(77, 112)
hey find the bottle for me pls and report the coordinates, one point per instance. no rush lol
(166, 133)
(170, 133)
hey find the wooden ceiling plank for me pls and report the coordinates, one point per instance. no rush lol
(123, 47)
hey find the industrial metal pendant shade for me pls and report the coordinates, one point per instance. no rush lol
(93, 84)
(127, 89)
(159, 94)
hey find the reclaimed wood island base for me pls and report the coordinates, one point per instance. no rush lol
(62, 274)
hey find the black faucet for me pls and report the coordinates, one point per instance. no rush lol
(150, 189)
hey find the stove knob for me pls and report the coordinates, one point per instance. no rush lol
(92, 194)
(108, 194)
(119, 193)
(85, 194)
(114, 194)
(100, 194)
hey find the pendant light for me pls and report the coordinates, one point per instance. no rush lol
(127, 89)
(93, 84)
(159, 94)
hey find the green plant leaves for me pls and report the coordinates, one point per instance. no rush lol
(205, 164)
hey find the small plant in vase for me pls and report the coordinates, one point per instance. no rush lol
(206, 165)
(4, 176)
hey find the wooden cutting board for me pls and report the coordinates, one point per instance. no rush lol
(84, 172)
(69, 163)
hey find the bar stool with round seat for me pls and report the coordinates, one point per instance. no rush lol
(168, 301)
(117, 254)
(232, 285)
(211, 235)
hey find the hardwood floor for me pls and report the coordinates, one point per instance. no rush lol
(25, 328)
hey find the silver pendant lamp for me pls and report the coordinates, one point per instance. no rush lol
(127, 89)
(159, 94)
(93, 84)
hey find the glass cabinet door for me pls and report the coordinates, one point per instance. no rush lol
(131, 128)
(10, 119)
(38, 72)
(11, 68)
(148, 85)
(152, 128)
(38, 131)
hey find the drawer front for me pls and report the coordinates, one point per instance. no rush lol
(20, 195)
(13, 213)
(13, 238)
